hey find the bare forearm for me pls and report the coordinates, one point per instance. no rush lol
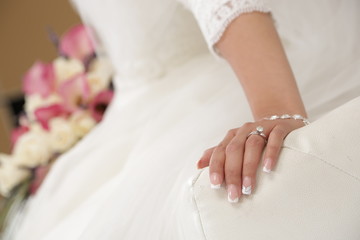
(253, 49)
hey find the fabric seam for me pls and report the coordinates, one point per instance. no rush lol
(325, 162)
(196, 205)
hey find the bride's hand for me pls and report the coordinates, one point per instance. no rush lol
(236, 158)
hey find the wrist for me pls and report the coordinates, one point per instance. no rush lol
(291, 106)
(297, 117)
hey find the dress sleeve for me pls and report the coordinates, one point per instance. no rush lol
(214, 16)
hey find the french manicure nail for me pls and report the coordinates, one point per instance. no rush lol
(215, 181)
(233, 195)
(246, 187)
(267, 165)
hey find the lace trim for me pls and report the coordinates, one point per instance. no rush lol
(214, 17)
(220, 32)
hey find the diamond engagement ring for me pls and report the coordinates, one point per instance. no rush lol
(259, 131)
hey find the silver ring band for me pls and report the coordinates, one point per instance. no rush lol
(259, 131)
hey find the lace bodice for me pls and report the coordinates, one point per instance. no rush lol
(146, 38)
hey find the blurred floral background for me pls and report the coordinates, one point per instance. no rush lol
(52, 94)
(24, 40)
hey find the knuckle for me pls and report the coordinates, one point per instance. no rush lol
(232, 132)
(216, 161)
(247, 125)
(279, 132)
(215, 166)
(208, 151)
(220, 147)
(232, 147)
(272, 148)
(232, 173)
(255, 141)
(249, 165)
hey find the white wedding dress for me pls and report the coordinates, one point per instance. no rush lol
(129, 178)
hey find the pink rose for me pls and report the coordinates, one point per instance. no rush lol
(75, 92)
(40, 79)
(100, 103)
(45, 114)
(76, 43)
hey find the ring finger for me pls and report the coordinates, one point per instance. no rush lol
(254, 147)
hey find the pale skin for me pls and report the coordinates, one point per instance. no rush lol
(253, 49)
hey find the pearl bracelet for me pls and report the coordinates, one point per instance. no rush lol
(287, 116)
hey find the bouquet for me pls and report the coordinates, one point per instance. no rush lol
(64, 100)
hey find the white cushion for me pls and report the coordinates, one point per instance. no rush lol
(314, 192)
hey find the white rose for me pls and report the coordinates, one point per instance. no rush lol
(67, 68)
(37, 128)
(99, 75)
(32, 148)
(62, 136)
(10, 174)
(82, 123)
(35, 101)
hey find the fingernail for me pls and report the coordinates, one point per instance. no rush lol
(233, 194)
(215, 181)
(267, 165)
(246, 187)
